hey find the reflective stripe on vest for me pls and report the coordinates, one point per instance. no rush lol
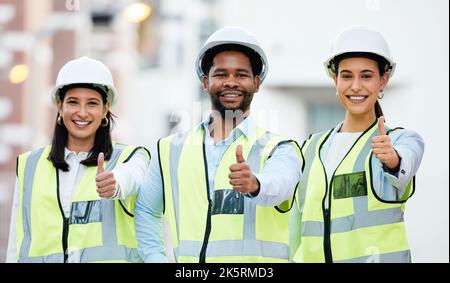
(362, 228)
(259, 234)
(96, 226)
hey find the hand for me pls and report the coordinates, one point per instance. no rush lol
(241, 176)
(382, 148)
(105, 181)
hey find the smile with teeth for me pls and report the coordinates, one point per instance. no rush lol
(357, 98)
(81, 123)
(230, 94)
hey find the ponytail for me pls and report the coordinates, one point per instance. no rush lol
(378, 110)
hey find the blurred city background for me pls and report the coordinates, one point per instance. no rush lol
(151, 46)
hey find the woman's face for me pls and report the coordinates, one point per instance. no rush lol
(82, 111)
(358, 84)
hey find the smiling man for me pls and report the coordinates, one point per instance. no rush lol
(222, 185)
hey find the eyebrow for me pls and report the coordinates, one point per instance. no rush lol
(89, 99)
(363, 71)
(237, 70)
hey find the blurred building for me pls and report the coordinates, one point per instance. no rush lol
(36, 39)
(152, 59)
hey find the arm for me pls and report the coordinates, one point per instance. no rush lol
(279, 177)
(409, 147)
(11, 254)
(148, 215)
(130, 175)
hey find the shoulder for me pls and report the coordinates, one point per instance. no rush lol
(176, 136)
(314, 137)
(39, 151)
(399, 134)
(130, 151)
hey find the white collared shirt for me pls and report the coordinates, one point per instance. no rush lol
(128, 179)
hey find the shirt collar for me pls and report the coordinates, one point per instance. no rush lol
(80, 155)
(246, 127)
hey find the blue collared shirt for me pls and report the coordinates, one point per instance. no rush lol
(277, 183)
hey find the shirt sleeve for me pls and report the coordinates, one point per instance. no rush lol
(148, 215)
(130, 175)
(11, 254)
(279, 177)
(410, 147)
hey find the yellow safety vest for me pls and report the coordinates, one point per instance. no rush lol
(97, 230)
(226, 227)
(357, 226)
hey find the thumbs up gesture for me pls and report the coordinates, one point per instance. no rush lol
(382, 148)
(105, 181)
(241, 176)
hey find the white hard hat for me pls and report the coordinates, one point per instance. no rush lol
(232, 35)
(85, 70)
(360, 39)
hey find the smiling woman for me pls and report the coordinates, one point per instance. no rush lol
(350, 203)
(74, 199)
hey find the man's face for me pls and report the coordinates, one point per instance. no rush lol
(231, 83)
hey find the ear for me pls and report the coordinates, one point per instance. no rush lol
(205, 83)
(257, 82)
(384, 80)
(59, 106)
(335, 79)
(106, 108)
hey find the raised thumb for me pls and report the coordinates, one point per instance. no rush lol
(100, 161)
(381, 129)
(239, 157)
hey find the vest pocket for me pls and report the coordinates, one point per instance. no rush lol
(83, 212)
(227, 202)
(350, 185)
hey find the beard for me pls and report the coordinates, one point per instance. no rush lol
(231, 112)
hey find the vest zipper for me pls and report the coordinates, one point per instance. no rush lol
(327, 211)
(326, 219)
(65, 232)
(202, 256)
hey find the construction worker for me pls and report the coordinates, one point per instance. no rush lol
(358, 175)
(221, 194)
(74, 199)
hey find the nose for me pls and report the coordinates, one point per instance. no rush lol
(82, 111)
(231, 82)
(356, 85)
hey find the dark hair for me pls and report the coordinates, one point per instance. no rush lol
(102, 143)
(383, 67)
(255, 59)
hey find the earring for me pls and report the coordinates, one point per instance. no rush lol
(381, 95)
(106, 123)
(59, 120)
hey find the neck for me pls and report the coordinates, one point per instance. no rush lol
(220, 128)
(357, 122)
(77, 145)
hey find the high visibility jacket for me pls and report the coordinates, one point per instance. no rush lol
(97, 230)
(226, 227)
(357, 225)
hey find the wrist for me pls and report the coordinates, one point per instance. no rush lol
(394, 166)
(255, 188)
